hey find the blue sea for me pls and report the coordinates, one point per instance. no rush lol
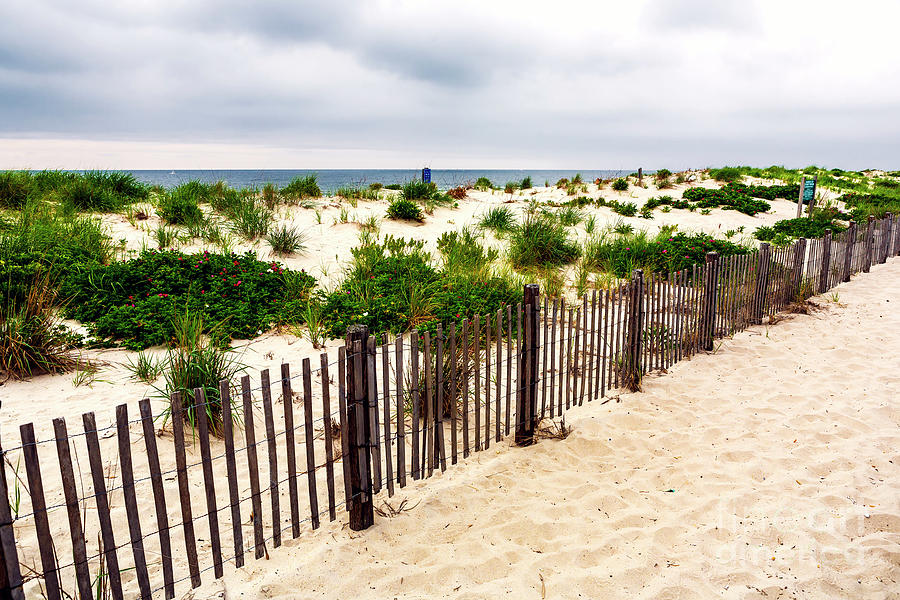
(332, 179)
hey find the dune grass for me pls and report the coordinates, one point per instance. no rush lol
(499, 219)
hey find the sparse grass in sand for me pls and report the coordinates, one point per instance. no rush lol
(302, 187)
(541, 240)
(499, 219)
(165, 237)
(32, 338)
(199, 359)
(403, 209)
(144, 367)
(620, 185)
(286, 240)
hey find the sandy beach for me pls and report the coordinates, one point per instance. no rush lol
(767, 469)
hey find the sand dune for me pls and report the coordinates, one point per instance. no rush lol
(768, 469)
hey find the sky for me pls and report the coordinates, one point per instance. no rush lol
(228, 84)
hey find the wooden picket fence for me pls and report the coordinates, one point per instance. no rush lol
(176, 502)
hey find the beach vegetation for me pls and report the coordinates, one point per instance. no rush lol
(499, 219)
(483, 184)
(136, 302)
(402, 209)
(541, 239)
(299, 188)
(286, 240)
(526, 183)
(726, 174)
(620, 185)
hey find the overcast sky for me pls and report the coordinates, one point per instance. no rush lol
(454, 84)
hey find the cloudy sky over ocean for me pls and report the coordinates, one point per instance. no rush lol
(457, 84)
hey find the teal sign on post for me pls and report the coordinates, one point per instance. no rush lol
(809, 190)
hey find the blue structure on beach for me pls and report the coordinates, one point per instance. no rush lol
(426, 175)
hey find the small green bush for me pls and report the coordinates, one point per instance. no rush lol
(500, 219)
(181, 206)
(541, 241)
(797, 228)
(302, 187)
(726, 174)
(526, 183)
(620, 185)
(483, 184)
(418, 190)
(285, 239)
(136, 301)
(626, 209)
(393, 186)
(405, 210)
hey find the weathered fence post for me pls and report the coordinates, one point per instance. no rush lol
(870, 242)
(889, 236)
(635, 324)
(710, 296)
(800, 197)
(762, 282)
(10, 575)
(362, 514)
(526, 413)
(826, 262)
(848, 254)
(799, 262)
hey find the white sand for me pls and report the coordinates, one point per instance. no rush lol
(768, 469)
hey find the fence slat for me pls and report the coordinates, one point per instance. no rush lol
(346, 456)
(234, 499)
(209, 484)
(374, 418)
(427, 418)
(454, 384)
(414, 375)
(12, 575)
(386, 395)
(39, 508)
(498, 367)
(440, 451)
(290, 445)
(329, 434)
(552, 373)
(487, 383)
(310, 440)
(76, 533)
(509, 364)
(545, 349)
(184, 492)
(465, 387)
(253, 468)
(98, 478)
(476, 407)
(273, 456)
(562, 356)
(401, 414)
(159, 496)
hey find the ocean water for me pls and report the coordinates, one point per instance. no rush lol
(332, 179)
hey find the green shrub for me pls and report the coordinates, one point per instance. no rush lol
(510, 187)
(665, 252)
(15, 187)
(418, 190)
(393, 186)
(500, 219)
(392, 285)
(620, 185)
(569, 216)
(136, 301)
(197, 359)
(726, 174)
(797, 228)
(302, 187)
(732, 196)
(540, 241)
(251, 219)
(483, 183)
(626, 209)
(526, 183)
(181, 206)
(862, 205)
(405, 210)
(285, 239)
(32, 338)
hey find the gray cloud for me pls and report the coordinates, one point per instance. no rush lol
(600, 83)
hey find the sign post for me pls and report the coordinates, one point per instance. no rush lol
(807, 195)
